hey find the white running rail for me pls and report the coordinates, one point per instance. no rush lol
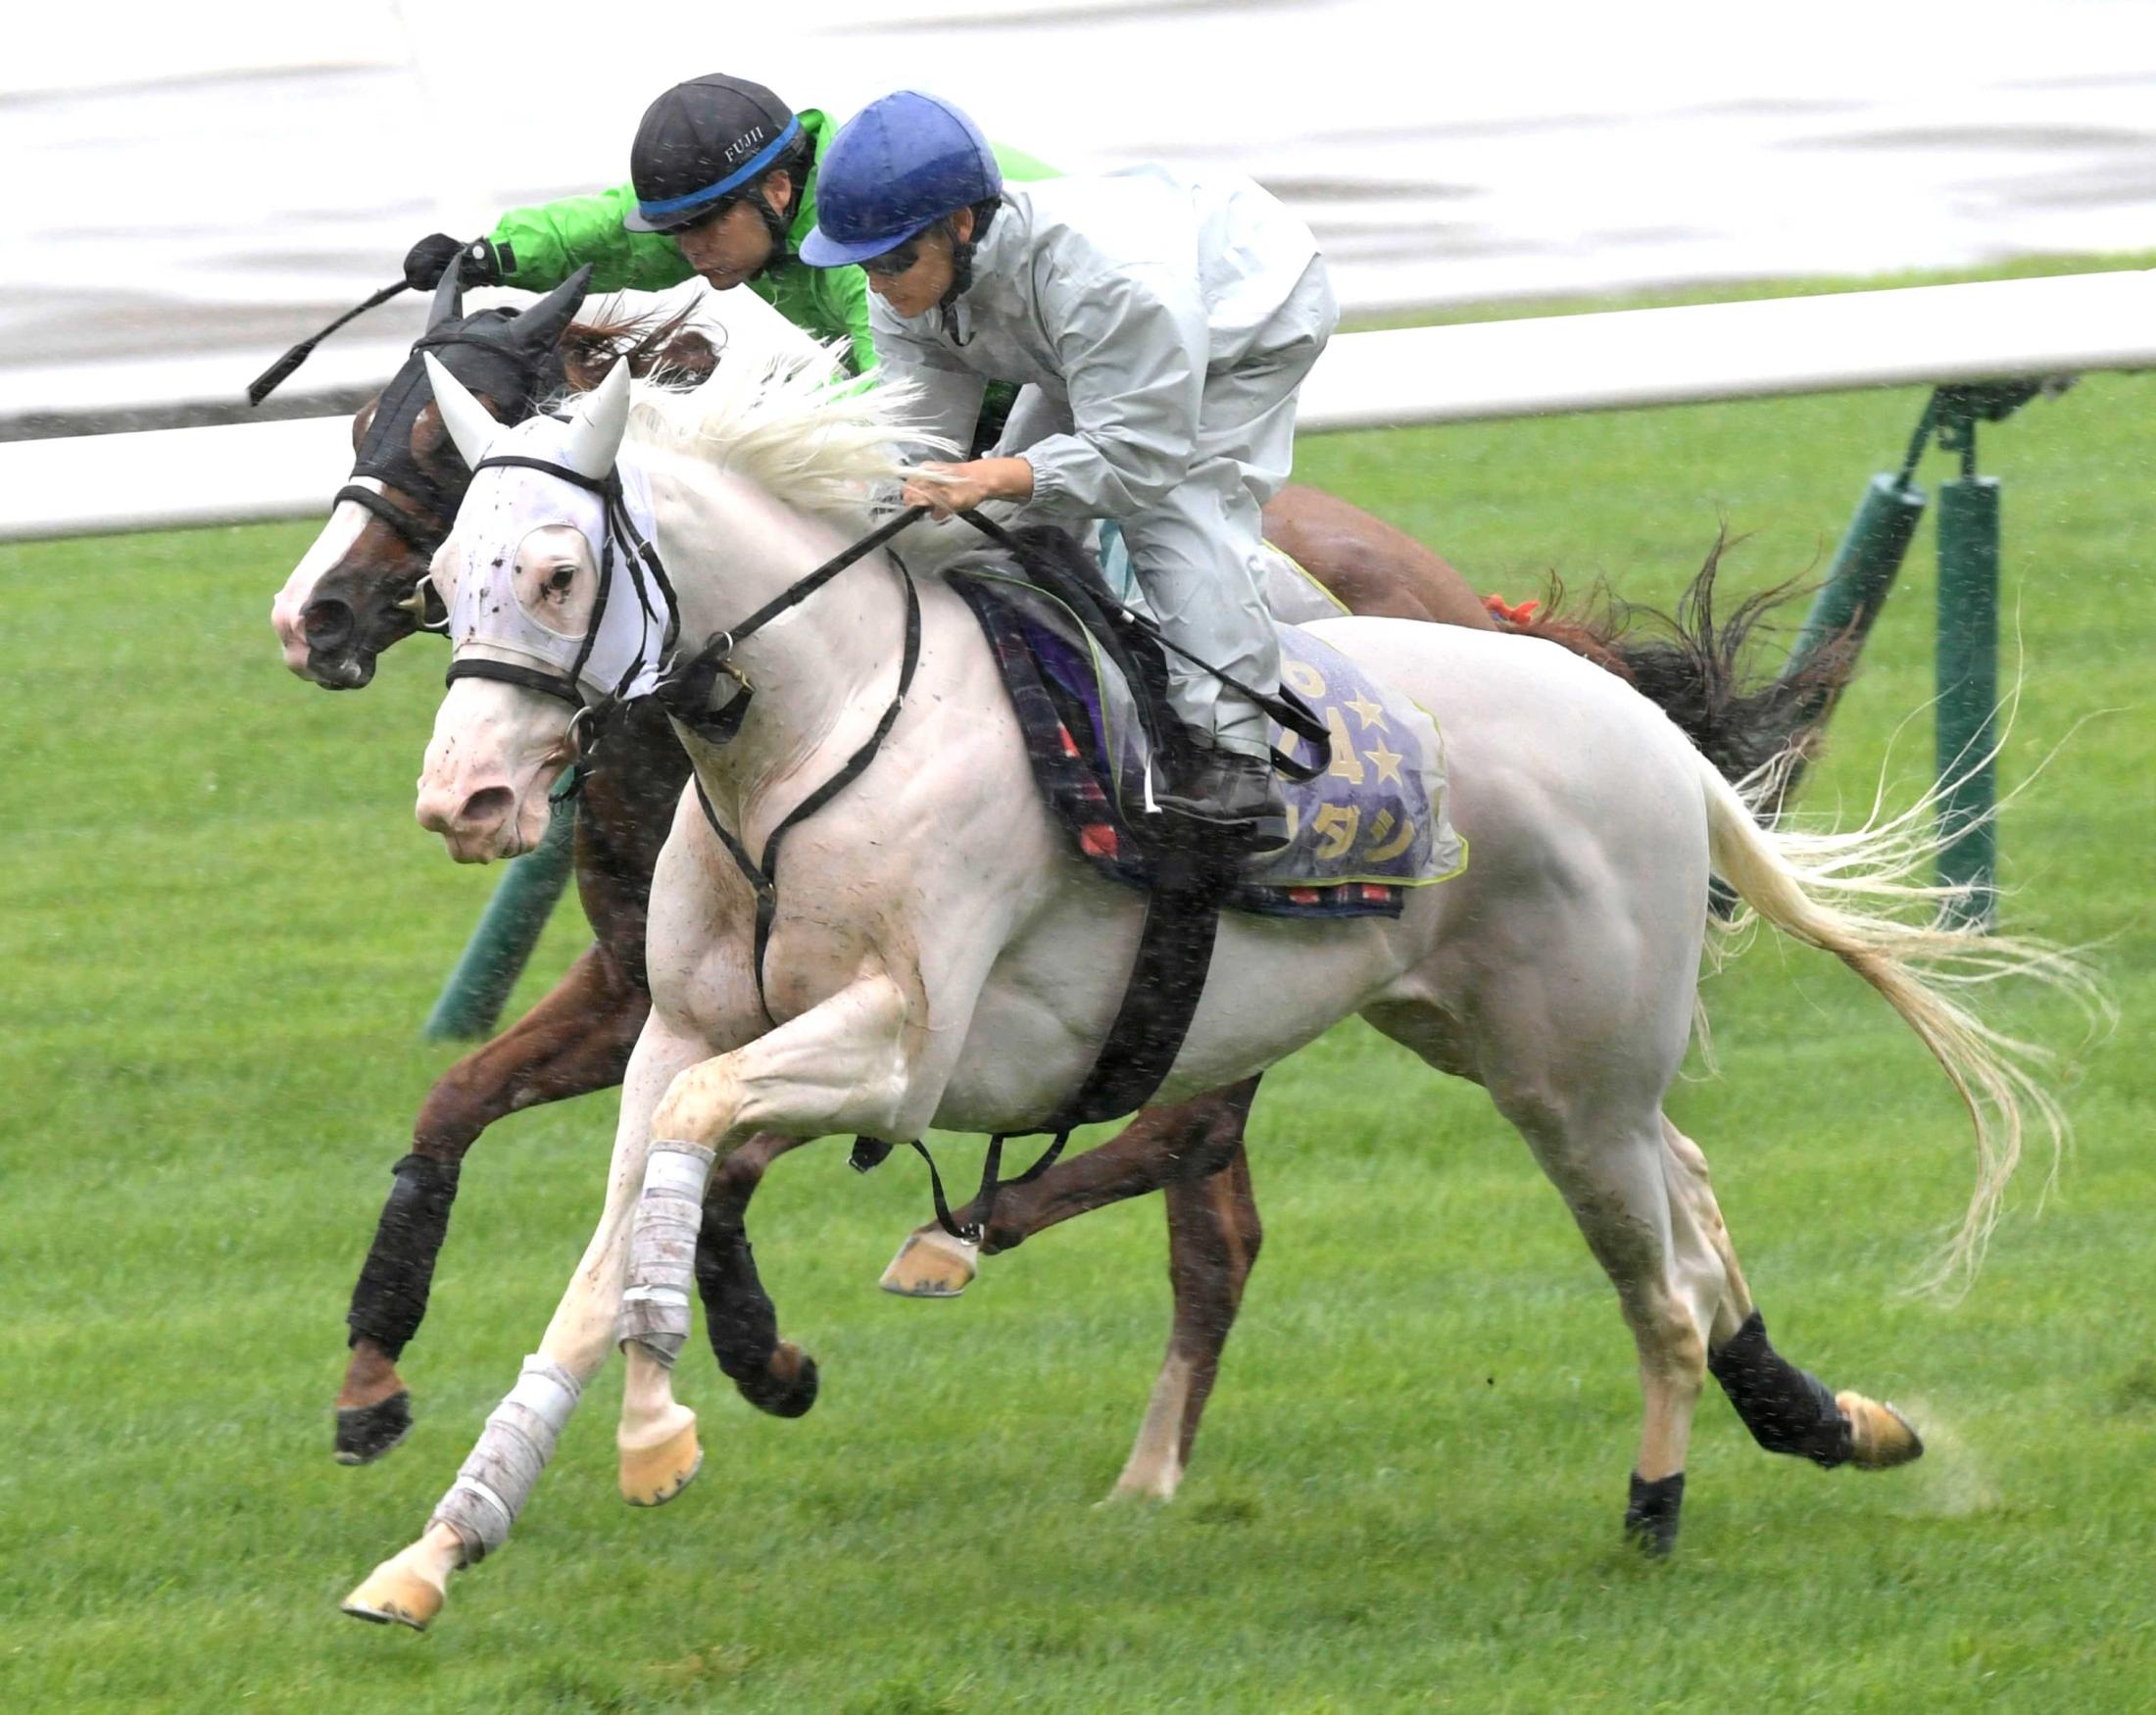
(1617, 360)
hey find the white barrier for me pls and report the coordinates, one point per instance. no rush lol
(163, 479)
(95, 484)
(1618, 360)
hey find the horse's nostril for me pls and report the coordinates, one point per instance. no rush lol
(328, 625)
(486, 806)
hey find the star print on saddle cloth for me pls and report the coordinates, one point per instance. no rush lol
(1376, 813)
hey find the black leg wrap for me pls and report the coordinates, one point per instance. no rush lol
(1787, 1410)
(1650, 1513)
(390, 1299)
(741, 1322)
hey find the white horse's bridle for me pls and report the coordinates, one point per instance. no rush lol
(547, 472)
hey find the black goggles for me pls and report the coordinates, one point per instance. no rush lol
(893, 263)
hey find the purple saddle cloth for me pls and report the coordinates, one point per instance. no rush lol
(1363, 830)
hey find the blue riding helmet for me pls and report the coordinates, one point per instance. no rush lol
(897, 167)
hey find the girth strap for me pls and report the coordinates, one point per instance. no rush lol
(1161, 996)
(973, 1232)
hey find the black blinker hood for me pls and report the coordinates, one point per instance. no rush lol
(513, 358)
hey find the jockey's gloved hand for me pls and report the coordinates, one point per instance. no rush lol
(429, 260)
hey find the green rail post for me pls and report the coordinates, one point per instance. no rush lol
(473, 999)
(1968, 677)
(1870, 554)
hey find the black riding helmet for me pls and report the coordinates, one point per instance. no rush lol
(705, 145)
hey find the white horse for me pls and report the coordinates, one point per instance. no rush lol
(939, 958)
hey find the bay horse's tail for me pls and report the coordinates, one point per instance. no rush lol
(1698, 670)
(1838, 892)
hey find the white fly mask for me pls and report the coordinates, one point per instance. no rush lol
(541, 475)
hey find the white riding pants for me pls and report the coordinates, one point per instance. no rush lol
(1199, 554)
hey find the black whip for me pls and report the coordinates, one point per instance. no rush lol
(279, 372)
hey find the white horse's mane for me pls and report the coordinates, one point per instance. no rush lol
(789, 419)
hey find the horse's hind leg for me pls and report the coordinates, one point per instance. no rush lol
(1160, 1146)
(1194, 1154)
(1787, 1410)
(1672, 1281)
(1640, 1194)
(1213, 1238)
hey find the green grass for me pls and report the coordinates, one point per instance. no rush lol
(221, 933)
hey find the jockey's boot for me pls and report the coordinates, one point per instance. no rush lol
(1235, 800)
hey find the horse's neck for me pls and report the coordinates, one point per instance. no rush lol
(821, 672)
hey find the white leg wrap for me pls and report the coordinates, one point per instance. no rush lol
(496, 1481)
(654, 1306)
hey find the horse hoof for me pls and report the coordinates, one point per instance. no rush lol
(1142, 1492)
(364, 1433)
(1651, 1513)
(396, 1592)
(1879, 1437)
(932, 1264)
(787, 1386)
(654, 1476)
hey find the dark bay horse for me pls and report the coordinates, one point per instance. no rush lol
(357, 592)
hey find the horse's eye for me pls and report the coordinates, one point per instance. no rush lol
(564, 576)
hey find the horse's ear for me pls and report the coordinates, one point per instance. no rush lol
(470, 424)
(540, 329)
(449, 299)
(595, 428)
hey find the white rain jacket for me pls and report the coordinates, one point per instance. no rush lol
(1161, 329)
(1118, 296)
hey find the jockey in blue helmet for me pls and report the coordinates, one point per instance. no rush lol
(1161, 326)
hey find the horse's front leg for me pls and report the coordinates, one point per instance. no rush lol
(577, 1038)
(474, 1517)
(844, 1065)
(773, 1375)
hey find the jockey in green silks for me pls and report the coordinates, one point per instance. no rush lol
(722, 185)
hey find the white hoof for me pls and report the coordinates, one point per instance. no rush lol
(1879, 1437)
(400, 1589)
(1157, 1485)
(653, 1476)
(932, 1264)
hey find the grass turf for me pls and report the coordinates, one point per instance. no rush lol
(222, 931)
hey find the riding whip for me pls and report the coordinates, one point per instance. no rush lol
(279, 372)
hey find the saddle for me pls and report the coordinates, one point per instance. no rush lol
(1366, 812)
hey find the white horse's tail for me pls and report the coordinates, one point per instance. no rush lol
(1838, 890)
